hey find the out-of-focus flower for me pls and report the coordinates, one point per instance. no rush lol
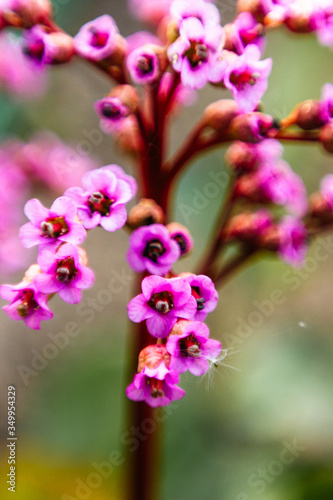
(45, 47)
(154, 390)
(206, 12)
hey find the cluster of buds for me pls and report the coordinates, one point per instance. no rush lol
(62, 264)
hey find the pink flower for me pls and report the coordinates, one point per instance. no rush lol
(140, 38)
(326, 189)
(247, 76)
(162, 302)
(204, 292)
(204, 11)
(195, 52)
(325, 24)
(63, 273)
(151, 248)
(27, 304)
(190, 347)
(154, 390)
(326, 102)
(143, 65)
(245, 31)
(97, 39)
(50, 227)
(45, 47)
(102, 201)
(150, 11)
(182, 237)
(292, 245)
(112, 113)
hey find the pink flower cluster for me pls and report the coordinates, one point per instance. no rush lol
(61, 264)
(263, 177)
(173, 309)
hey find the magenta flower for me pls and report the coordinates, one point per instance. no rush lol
(195, 52)
(326, 189)
(63, 273)
(278, 183)
(150, 11)
(45, 47)
(143, 65)
(190, 347)
(247, 76)
(27, 304)
(140, 38)
(102, 201)
(326, 102)
(155, 391)
(325, 24)
(97, 39)
(206, 12)
(112, 113)
(245, 31)
(182, 237)
(162, 302)
(204, 293)
(51, 227)
(292, 245)
(151, 248)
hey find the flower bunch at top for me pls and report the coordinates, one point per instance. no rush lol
(61, 264)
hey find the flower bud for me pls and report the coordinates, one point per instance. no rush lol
(62, 47)
(182, 236)
(326, 136)
(29, 12)
(152, 356)
(45, 47)
(253, 6)
(128, 95)
(251, 127)
(300, 19)
(219, 114)
(31, 272)
(319, 206)
(248, 226)
(310, 115)
(241, 156)
(145, 213)
(147, 63)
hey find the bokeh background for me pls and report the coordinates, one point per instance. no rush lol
(225, 440)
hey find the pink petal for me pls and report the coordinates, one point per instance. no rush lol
(138, 310)
(35, 211)
(70, 295)
(159, 326)
(116, 219)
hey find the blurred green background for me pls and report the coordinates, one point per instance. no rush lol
(271, 403)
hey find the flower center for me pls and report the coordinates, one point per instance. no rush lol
(154, 249)
(98, 39)
(156, 387)
(111, 110)
(197, 53)
(99, 202)
(35, 50)
(181, 242)
(27, 303)
(144, 65)
(190, 347)
(240, 80)
(200, 300)
(66, 270)
(161, 302)
(53, 227)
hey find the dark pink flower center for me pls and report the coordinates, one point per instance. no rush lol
(66, 270)
(53, 227)
(179, 238)
(250, 35)
(197, 53)
(144, 65)
(241, 80)
(99, 202)
(156, 387)
(154, 249)
(98, 39)
(200, 300)
(190, 347)
(35, 50)
(161, 302)
(111, 110)
(27, 304)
